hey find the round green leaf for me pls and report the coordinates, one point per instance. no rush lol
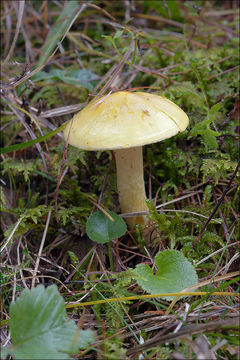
(102, 230)
(174, 274)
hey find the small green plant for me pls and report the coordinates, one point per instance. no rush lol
(40, 328)
(174, 273)
(102, 228)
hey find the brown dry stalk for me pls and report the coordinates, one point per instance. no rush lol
(186, 331)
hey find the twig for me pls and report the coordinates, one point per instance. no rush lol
(178, 199)
(21, 5)
(19, 263)
(41, 248)
(224, 72)
(215, 252)
(190, 330)
(12, 232)
(189, 212)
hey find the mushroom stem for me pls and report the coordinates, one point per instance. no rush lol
(130, 184)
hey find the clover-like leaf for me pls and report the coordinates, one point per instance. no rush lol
(101, 229)
(40, 328)
(80, 78)
(174, 273)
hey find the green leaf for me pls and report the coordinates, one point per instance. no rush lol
(40, 328)
(174, 274)
(81, 78)
(58, 30)
(102, 230)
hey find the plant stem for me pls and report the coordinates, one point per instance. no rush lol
(110, 256)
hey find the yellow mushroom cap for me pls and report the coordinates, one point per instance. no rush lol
(124, 120)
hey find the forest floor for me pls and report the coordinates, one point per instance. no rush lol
(55, 57)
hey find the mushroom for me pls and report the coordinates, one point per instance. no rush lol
(124, 122)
